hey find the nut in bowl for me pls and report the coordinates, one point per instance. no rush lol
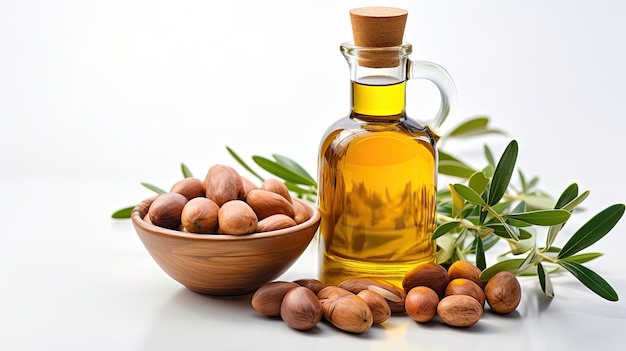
(221, 264)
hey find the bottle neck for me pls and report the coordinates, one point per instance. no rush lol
(378, 96)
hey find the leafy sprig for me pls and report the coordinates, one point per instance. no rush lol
(482, 209)
(474, 217)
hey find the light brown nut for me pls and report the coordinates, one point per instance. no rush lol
(278, 187)
(275, 222)
(430, 274)
(459, 310)
(223, 184)
(200, 216)
(314, 284)
(503, 292)
(166, 209)
(421, 304)
(394, 295)
(349, 313)
(247, 186)
(189, 188)
(464, 269)
(378, 305)
(268, 298)
(236, 217)
(332, 292)
(301, 214)
(462, 286)
(266, 203)
(301, 309)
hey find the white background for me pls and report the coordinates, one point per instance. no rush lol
(96, 97)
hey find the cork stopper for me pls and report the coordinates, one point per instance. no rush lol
(375, 27)
(378, 27)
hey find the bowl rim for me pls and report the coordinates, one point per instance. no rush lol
(144, 205)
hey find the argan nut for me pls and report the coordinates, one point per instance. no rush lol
(459, 310)
(332, 292)
(266, 203)
(378, 305)
(314, 284)
(349, 313)
(394, 295)
(301, 214)
(464, 269)
(200, 216)
(421, 304)
(189, 188)
(462, 286)
(166, 209)
(236, 217)
(247, 186)
(275, 222)
(278, 187)
(430, 274)
(503, 292)
(301, 309)
(268, 298)
(223, 184)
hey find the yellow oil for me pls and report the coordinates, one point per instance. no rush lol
(378, 100)
(377, 188)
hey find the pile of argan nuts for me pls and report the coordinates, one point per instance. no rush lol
(226, 203)
(456, 295)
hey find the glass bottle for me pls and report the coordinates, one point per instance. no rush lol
(378, 170)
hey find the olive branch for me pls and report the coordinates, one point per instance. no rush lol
(484, 208)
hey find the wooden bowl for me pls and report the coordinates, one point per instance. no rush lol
(225, 265)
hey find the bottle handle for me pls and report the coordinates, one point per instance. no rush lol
(440, 77)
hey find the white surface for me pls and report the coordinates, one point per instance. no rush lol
(98, 96)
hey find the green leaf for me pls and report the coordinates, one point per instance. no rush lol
(583, 258)
(592, 231)
(154, 188)
(445, 156)
(577, 201)
(522, 180)
(504, 230)
(457, 201)
(473, 127)
(445, 248)
(540, 202)
(455, 168)
(523, 243)
(293, 165)
(444, 228)
(541, 217)
(590, 279)
(530, 260)
(544, 280)
(123, 213)
(490, 240)
(186, 172)
(481, 261)
(569, 194)
(510, 265)
(281, 171)
(533, 183)
(489, 156)
(553, 231)
(299, 190)
(244, 164)
(568, 201)
(478, 181)
(503, 173)
(469, 194)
